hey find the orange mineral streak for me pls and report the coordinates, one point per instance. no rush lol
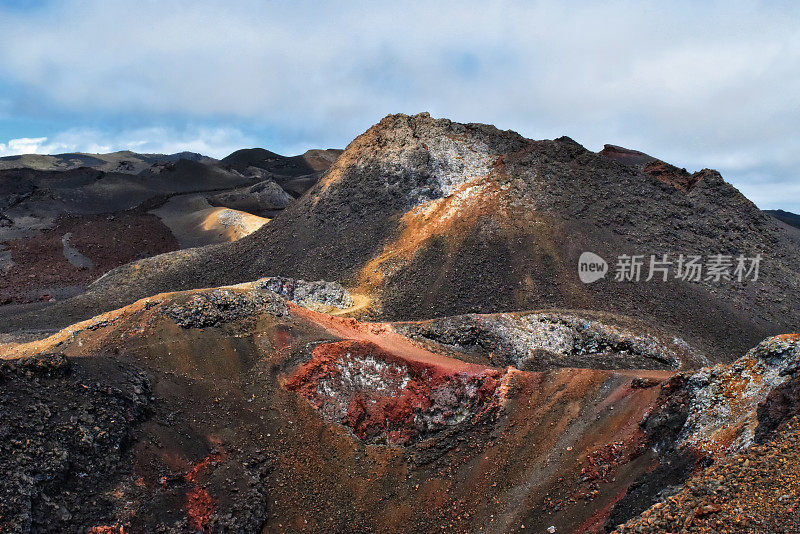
(116, 529)
(383, 336)
(199, 503)
(452, 216)
(199, 507)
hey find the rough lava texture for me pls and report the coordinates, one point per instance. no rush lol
(224, 306)
(305, 421)
(756, 491)
(385, 399)
(719, 416)
(267, 406)
(724, 400)
(544, 340)
(314, 295)
(64, 439)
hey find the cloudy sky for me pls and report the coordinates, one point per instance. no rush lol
(699, 84)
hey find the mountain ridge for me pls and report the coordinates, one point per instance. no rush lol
(434, 218)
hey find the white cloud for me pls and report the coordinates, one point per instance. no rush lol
(698, 83)
(215, 142)
(23, 145)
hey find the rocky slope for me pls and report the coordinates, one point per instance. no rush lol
(742, 419)
(310, 421)
(405, 347)
(433, 218)
(305, 421)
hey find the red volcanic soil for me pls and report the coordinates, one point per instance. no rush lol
(384, 387)
(199, 507)
(383, 397)
(40, 267)
(383, 336)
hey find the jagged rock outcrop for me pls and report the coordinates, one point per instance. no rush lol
(728, 405)
(318, 294)
(715, 416)
(262, 413)
(65, 433)
(546, 340)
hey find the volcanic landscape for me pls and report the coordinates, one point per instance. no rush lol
(391, 338)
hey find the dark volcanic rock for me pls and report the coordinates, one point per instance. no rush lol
(710, 416)
(62, 438)
(780, 406)
(669, 174)
(224, 306)
(543, 341)
(306, 293)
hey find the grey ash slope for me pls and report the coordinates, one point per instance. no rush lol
(435, 218)
(31, 198)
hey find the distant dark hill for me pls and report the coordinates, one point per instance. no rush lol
(29, 193)
(430, 218)
(313, 161)
(122, 162)
(792, 219)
